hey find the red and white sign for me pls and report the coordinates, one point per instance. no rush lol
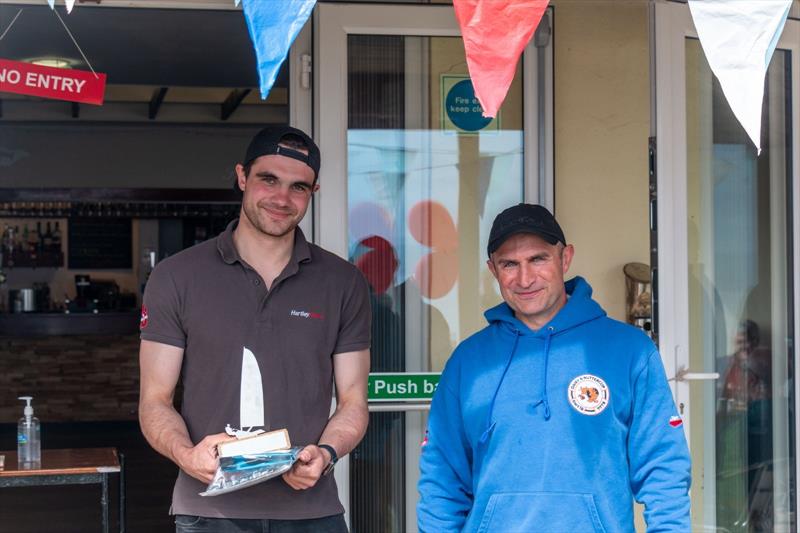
(49, 82)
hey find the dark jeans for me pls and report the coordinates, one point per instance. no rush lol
(199, 524)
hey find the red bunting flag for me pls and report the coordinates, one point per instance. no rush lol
(495, 32)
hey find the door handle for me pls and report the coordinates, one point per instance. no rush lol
(683, 374)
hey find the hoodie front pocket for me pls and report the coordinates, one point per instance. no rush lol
(512, 512)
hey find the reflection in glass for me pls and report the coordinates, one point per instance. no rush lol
(423, 190)
(741, 286)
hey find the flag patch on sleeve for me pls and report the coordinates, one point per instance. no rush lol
(675, 421)
(144, 318)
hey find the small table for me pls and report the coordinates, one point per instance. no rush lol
(78, 466)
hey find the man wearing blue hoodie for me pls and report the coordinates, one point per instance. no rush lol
(554, 417)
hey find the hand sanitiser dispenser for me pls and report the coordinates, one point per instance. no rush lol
(29, 446)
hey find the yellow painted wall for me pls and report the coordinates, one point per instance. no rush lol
(602, 117)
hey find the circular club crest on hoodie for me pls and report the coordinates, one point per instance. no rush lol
(588, 394)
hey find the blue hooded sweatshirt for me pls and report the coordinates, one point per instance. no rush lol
(554, 430)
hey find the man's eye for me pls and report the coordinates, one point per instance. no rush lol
(299, 188)
(270, 180)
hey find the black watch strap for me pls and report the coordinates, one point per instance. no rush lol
(329, 467)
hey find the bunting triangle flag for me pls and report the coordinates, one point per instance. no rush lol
(495, 33)
(273, 27)
(738, 38)
(70, 4)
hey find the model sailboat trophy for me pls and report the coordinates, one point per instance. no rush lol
(253, 455)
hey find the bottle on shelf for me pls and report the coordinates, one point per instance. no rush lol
(47, 239)
(57, 237)
(31, 243)
(38, 242)
(26, 239)
(8, 239)
(17, 239)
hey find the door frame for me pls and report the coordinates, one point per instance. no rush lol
(332, 24)
(672, 25)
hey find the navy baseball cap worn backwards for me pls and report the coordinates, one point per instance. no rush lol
(524, 218)
(266, 142)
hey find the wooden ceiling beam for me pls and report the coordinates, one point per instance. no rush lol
(232, 102)
(155, 102)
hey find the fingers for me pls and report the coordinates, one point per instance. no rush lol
(202, 462)
(291, 481)
(216, 438)
(308, 453)
(205, 477)
(307, 470)
(299, 480)
(206, 465)
(211, 441)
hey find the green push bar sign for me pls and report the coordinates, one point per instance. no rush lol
(402, 386)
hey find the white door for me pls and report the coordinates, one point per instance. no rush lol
(411, 180)
(727, 226)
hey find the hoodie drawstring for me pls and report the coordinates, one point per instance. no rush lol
(546, 357)
(543, 400)
(489, 422)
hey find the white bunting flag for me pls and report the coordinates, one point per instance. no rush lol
(71, 4)
(738, 38)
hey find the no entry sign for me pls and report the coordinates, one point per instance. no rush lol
(48, 82)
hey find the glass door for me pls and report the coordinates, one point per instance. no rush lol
(727, 251)
(412, 178)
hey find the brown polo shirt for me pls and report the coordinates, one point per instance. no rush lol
(208, 301)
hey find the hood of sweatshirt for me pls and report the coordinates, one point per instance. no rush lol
(579, 309)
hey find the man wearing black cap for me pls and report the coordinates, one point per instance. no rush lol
(261, 292)
(554, 417)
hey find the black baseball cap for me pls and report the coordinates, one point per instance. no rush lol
(524, 218)
(266, 142)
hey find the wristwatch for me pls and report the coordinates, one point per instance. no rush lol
(329, 467)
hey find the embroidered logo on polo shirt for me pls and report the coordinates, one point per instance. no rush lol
(588, 394)
(306, 314)
(143, 319)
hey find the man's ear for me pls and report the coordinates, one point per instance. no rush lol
(241, 177)
(566, 257)
(492, 268)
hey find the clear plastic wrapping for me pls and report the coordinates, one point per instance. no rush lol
(242, 471)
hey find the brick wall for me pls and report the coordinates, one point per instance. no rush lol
(71, 378)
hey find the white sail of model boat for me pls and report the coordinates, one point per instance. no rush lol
(251, 399)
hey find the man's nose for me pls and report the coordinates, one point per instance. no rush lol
(281, 195)
(526, 276)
